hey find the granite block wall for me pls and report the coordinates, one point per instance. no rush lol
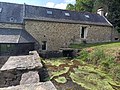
(60, 35)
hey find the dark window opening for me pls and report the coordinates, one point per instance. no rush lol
(44, 45)
(116, 39)
(16, 49)
(83, 32)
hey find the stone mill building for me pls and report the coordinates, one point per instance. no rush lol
(25, 27)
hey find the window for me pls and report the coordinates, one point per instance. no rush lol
(16, 49)
(67, 14)
(87, 16)
(116, 39)
(83, 32)
(49, 12)
(7, 49)
(44, 45)
(0, 10)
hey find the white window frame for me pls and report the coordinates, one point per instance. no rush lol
(87, 16)
(67, 14)
(49, 12)
(1, 10)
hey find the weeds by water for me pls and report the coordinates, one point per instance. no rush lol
(96, 68)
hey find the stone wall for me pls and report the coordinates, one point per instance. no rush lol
(60, 35)
(23, 73)
(115, 35)
(99, 34)
(3, 60)
(13, 26)
(34, 86)
(20, 70)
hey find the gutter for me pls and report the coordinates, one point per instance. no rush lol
(67, 21)
(107, 21)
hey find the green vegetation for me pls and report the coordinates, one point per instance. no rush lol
(96, 68)
(58, 73)
(91, 78)
(61, 80)
(103, 56)
(81, 5)
(55, 62)
(95, 45)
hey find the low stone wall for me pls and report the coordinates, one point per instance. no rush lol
(35, 86)
(3, 59)
(10, 78)
(20, 70)
(115, 36)
(50, 54)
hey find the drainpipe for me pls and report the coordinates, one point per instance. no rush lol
(112, 33)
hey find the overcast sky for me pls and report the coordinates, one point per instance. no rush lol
(61, 4)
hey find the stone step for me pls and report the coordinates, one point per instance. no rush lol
(22, 63)
(35, 86)
(30, 77)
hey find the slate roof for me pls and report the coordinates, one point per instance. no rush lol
(16, 13)
(15, 36)
(58, 15)
(11, 13)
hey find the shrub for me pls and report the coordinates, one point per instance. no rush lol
(84, 55)
(107, 63)
(93, 57)
(97, 56)
(115, 72)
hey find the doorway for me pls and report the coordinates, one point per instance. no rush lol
(83, 32)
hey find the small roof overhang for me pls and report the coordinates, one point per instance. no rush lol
(15, 36)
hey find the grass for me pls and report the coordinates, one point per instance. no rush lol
(108, 45)
(110, 48)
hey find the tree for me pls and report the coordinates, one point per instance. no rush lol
(114, 13)
(113, 9)
(84, 5)
(70, 7)
(81, 5)
(98, 4)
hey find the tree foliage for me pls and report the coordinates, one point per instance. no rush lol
(81, 5)
(70, 7)
(114, 13)
(113, 9)
(98, 4)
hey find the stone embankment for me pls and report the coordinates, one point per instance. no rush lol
(23, 73)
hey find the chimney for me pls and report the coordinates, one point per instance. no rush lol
(100, 11)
